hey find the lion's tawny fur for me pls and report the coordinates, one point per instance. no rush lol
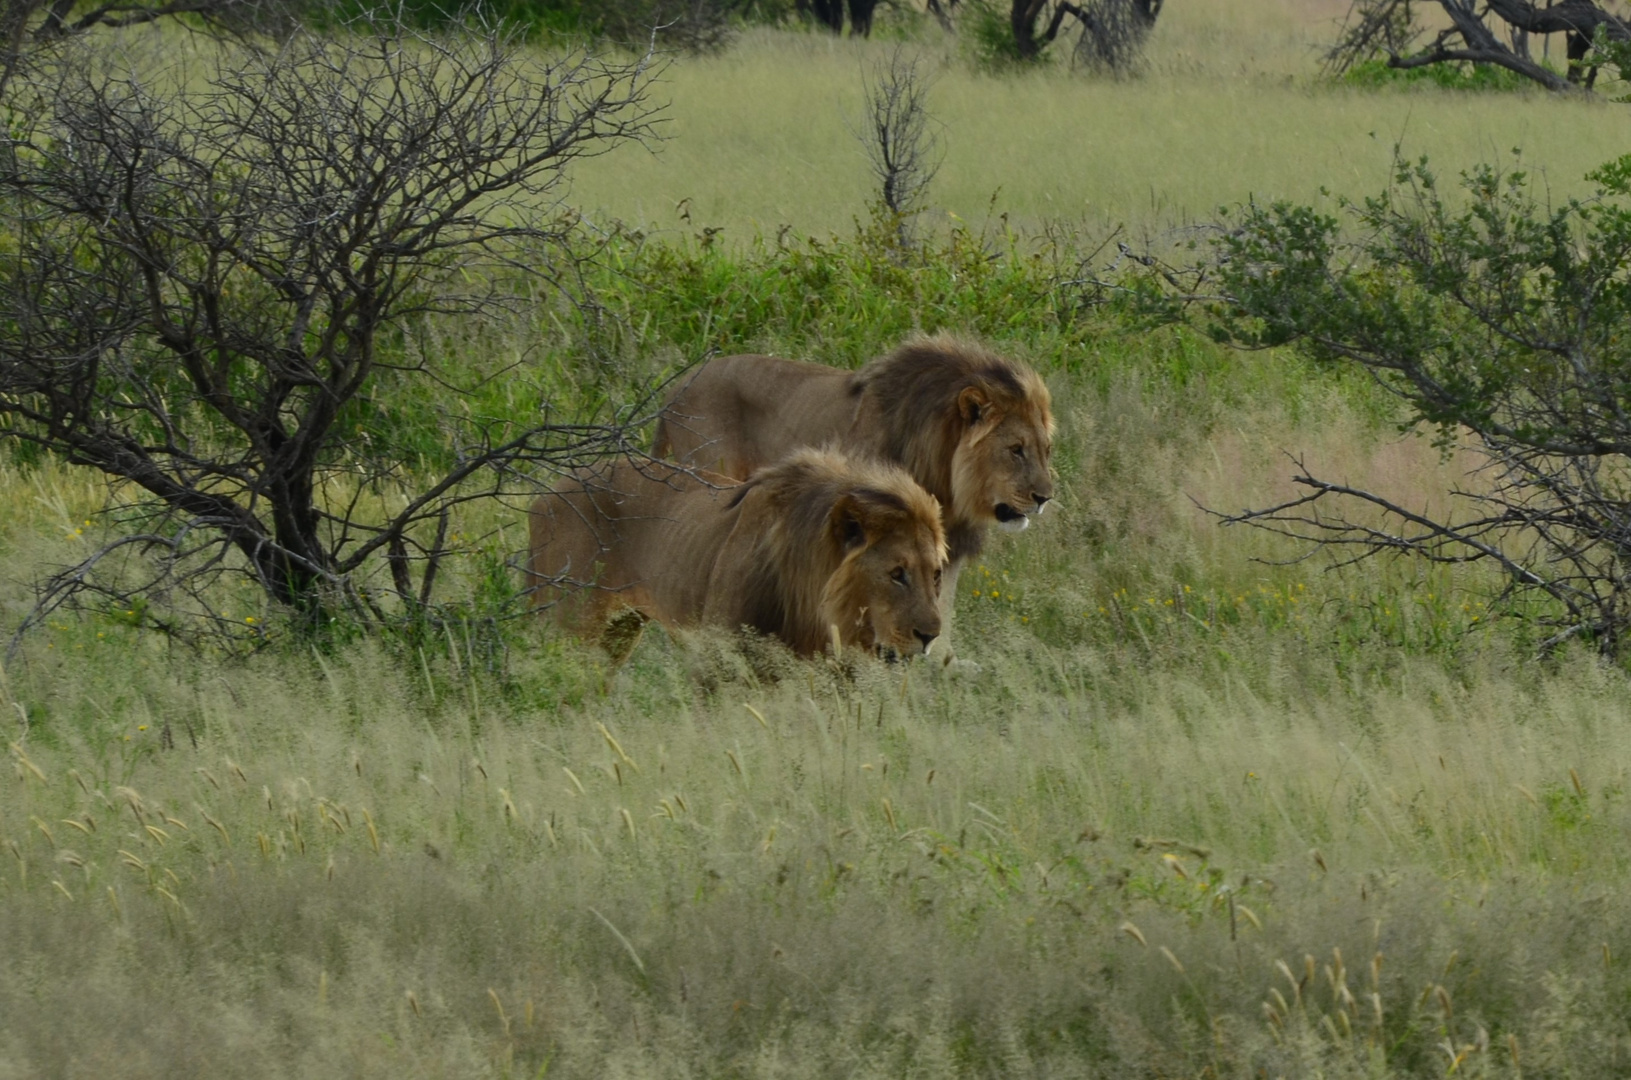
(973, 428)
(815, 541)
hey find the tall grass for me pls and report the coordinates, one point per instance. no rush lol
(1086, 860)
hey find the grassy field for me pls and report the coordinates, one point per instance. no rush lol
(1194, 814)
(1231, 109)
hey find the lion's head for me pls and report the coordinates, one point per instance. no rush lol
(976, 425)
(885, 594)
(999, 471)
(860, 551)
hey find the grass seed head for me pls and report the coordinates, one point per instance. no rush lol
(498, 1007)
(24, 765)
(616, 747)
(1296, 987)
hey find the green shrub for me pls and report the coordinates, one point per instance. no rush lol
(1376, 74)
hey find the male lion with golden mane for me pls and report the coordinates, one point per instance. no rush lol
(814, 546)
(973, 428)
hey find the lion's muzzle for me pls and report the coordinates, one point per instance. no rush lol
(1011, 519)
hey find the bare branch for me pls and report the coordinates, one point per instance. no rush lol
(209, 269)
(904, 153)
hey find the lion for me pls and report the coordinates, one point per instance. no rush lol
(974, 429)
(818, 548)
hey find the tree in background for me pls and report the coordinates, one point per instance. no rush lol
(1390, 30)
(1499, 324)
(1111, 33)
(34, 29)
(208, 276)
(830, 14)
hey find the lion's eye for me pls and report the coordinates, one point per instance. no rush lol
(1018, 450)
(937, 579)
(898, 575)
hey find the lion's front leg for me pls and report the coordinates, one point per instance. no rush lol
(948, 606)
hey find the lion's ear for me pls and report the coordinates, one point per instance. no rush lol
(972, 404)
(848, 523)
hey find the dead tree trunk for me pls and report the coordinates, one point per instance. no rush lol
(829, 13)
(1100, 20)
(1578, 19)
(1386, 28)
(860, 17)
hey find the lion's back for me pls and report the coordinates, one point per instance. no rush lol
(637, 535)
(739, 413)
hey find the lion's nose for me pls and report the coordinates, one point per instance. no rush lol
(1041, 500)
(927, 639)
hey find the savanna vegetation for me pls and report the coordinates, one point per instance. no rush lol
(1207, 802)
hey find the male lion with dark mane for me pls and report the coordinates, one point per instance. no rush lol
(973, 428)
(816, 546)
